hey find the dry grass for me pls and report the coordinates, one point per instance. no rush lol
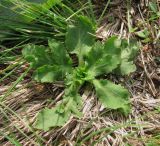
(98, 126)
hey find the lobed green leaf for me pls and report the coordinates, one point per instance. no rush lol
(103, 59)
(37, 56)
(112, 96)
(50, 64)
(48, 118)
(48, 74)
(79, 38)
(128, 52)
(112, 46)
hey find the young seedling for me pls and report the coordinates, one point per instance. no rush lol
(53, 63)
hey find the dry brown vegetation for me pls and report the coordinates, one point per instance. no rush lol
(97, 126)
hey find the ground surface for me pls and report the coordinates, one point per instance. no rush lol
(98, 126)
